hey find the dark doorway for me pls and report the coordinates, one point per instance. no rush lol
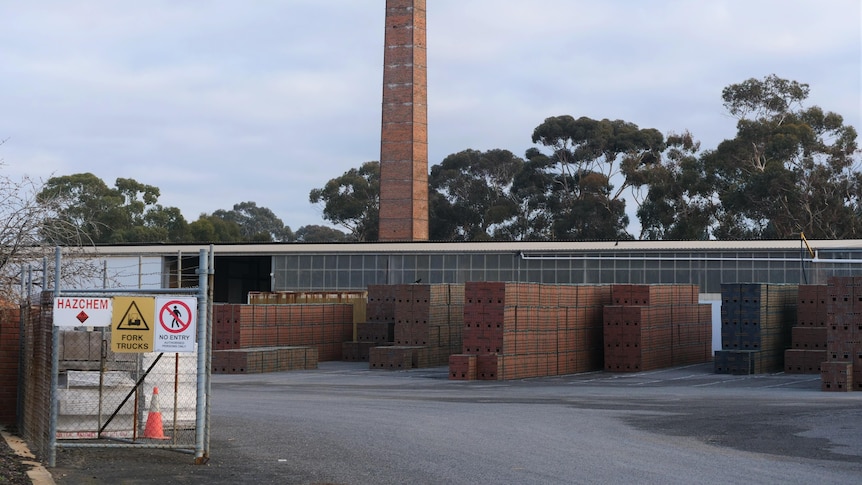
(235, 276)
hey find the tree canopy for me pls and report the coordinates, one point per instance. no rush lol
(88, 210)
(790, 168)
(577, 189)
(129, 212)
(352, 201)
(677, 205)
(473, 194)
(256, 223)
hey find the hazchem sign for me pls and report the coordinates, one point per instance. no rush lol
(132, 324)
(175, 327)
(138, 324)
(82, 312)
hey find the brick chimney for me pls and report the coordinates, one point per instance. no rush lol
(404, 132)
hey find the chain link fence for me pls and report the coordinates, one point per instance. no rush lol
(117, 379)
(140, 397)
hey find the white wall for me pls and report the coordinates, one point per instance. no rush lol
(714, 299)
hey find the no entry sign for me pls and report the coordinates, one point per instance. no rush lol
(175, 327)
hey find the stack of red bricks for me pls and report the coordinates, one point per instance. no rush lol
(808, 337)
(368, 335)
(378, 329)
(426, 322)
(656, 326)
(267, 328)
(522, 330)
(10, 345)
(264, 359)
(842, 370)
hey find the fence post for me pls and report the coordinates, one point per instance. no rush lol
(22, 386)
(55, 368)
(201, 454)
(209, 344)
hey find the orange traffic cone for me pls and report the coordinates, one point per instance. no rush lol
(154, 419)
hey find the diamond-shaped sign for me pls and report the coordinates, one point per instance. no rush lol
(82, 317)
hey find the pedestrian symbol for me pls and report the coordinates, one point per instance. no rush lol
(177, 313)
(175, 316)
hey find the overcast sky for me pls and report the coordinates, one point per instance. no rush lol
(219, 102)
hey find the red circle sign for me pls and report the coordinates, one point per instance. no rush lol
(175, 316)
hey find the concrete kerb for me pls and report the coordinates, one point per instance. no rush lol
(37, 473)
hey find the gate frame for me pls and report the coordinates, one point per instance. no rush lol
(203, 293)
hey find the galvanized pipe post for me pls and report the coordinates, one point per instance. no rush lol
(209, 346)
(202, 454)
(19, 404)
(55, 368)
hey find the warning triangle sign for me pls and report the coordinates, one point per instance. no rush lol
(133, 319)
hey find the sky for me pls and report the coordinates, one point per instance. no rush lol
(217, 102)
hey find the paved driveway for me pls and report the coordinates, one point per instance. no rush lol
(346, 424)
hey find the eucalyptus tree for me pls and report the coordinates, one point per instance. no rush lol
(129, 212)
(317, 233)
(789, 169)
(578, 190)
(255, 223)
(474, 191)
(352, 201)
(679, 203)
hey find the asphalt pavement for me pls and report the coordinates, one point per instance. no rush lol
(346, 424)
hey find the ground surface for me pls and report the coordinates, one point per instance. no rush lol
(345, 424)
(12, 470)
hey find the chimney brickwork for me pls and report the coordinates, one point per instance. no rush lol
(404, 132)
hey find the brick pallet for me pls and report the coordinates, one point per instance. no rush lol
(522, 330)
(378, 326)
(756, 322)
(263, 359)
(379, 332)
(357, 299)
(368, 335)
(842, 370)
(463, 367)
(399, 357)
(836, 376)
(294, 297)
(324, 326)
(812, 305)
(358, 351)
(381, 304)
(423, 320)
(654, 294)
(742, 362)
(797, 361)
(808, 337)
(655, 326)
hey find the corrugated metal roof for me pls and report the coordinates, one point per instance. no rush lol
(479, 247)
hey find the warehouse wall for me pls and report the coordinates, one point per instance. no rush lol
(708, 270)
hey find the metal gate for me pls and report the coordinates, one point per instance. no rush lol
(130, 368)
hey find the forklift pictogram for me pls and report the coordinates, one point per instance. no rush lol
(133, 320)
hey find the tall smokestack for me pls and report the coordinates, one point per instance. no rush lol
(404, 133)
